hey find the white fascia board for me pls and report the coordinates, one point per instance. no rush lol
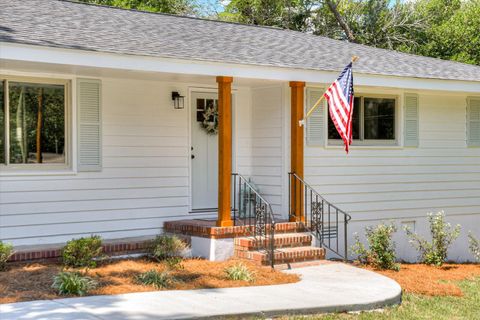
(30, 53)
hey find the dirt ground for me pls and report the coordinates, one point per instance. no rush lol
(33, 281)
(432, 281)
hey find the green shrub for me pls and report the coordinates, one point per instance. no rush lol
(239, 272)
(474, 246)
(73, 283)
(81, 252)
(443, 235)
(164, 247)
(381, 249)
(6, 251)
(155, 278)
(174, 263)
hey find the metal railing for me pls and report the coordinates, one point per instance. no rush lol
(318, 216)
(253, 211)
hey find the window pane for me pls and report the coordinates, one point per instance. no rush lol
(379, 119)
(332, 131)
(200, 109)
(2, 123)
(37, 123)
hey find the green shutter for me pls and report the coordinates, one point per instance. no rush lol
(315, 126)
(89, 125)
(473, 122)
(411, 122)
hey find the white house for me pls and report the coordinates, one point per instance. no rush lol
(91, 141)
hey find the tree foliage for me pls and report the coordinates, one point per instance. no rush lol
(186, 7)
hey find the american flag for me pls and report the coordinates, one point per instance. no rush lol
(340, 100)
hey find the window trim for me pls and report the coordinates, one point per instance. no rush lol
(370, 142)
(7, 167)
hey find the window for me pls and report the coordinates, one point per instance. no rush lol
(32, 123)
(373, 122)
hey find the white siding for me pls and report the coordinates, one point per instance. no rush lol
(404, 184)
(144, 180)
(243, 128)
(268, 152)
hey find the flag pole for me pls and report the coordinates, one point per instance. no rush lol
(302, 122)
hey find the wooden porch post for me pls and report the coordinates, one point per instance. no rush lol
(224, 151)
(296, 147)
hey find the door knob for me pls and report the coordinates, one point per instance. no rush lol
(193, 156)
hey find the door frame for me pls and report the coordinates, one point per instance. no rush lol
(192, 90)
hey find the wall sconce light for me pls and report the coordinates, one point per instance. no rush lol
(178, 100)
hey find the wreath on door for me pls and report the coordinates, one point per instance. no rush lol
(210, 120)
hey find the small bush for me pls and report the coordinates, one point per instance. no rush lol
(81, 252)
(6, 251)
(474, 246)
(155, 278)
(239, 272)
(164, 247)
(174, 263)
(73, 283)
(381, 249)
(443, 235)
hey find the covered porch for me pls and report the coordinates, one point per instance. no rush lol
(147, 180)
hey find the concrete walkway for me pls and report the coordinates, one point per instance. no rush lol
(324, 288)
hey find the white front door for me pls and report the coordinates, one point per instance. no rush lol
(204, 154)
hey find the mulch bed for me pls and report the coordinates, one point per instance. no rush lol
(432, 281)
(32, 281)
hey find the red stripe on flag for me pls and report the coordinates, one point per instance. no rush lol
(340, 113)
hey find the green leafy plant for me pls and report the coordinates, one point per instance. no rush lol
(443, 235)
(165, 246)
(381, 249)
(81, 252)
(174, 263)
(474, 245)
(239, 272)
(73, 283)
(6, 251)
(155, 279)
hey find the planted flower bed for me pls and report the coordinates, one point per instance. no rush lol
(82, 273)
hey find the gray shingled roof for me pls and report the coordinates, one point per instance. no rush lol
(88, 27)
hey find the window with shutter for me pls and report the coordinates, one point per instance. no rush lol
(374, 121)
(315, 128)
(473, 122)
(411, 127)
(89, 125)
(34, 123)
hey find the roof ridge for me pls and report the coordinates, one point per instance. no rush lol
(177, 15)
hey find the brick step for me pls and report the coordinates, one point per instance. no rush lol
(284, 255)
(282, 240)
(288, 227)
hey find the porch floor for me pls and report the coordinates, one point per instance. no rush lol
(207, 228)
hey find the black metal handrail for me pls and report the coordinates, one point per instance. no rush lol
(253, 211)
(318, 216)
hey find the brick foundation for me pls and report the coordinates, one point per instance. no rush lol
(114, 248)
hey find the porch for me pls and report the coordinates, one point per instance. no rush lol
(153, 167)
(246, 224)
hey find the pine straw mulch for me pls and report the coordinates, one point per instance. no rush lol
(431, 280)
(32, 281)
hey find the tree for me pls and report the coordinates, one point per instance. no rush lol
(288, 14)
(334, 9)
(452, 30)
(186, 7)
